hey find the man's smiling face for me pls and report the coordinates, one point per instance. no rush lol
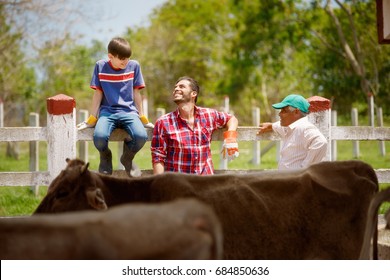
(183, 92)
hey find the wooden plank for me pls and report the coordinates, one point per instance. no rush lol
(117, 134)
(383, 175)
(245, 133)
(249, 133)
(360, 133)
(24, 178)
(21, 134)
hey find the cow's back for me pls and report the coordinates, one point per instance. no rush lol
(185, 229)
(315, 213)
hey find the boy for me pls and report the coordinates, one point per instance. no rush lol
(117, 103)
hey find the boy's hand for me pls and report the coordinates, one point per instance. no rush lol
(90, 122)
(146, 122)
(230, 146)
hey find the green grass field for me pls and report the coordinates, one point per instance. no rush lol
(16, 201)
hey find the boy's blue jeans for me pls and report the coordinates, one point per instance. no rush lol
(129, 122)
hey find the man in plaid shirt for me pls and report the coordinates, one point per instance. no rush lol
(181, 139)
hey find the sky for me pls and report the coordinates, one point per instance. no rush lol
(114, 16)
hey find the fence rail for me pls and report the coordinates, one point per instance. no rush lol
(26, 134)
(360, 133)
(245, 133)
(62, 136)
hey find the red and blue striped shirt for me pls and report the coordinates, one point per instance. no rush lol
(117, 85)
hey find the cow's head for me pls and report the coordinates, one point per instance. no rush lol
(75, 188)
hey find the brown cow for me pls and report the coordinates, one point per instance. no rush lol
(371, 231)
(184, 229)
(314, 213)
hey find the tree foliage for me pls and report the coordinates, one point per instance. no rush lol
(67, 68)
(17, 78)
(39, 57)
(185, 37)
(260, 62)
(346, 57)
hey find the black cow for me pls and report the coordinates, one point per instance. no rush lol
(315, 213)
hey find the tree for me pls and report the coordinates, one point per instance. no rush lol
(67, 68)
(17, 79)
(261, 63)
(28, 29)
(346, 52)
(185, 37)
(23, 24)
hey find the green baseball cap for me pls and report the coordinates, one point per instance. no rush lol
(294, 100)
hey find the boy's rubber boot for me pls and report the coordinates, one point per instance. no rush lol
(127, 157)
(105, 166)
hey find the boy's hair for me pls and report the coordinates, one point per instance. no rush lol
(119, 47)
(193, 83)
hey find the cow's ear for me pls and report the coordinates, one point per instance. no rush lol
(96, 199)
(67, 160)
(84, 168)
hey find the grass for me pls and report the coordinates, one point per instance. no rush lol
(16, 201)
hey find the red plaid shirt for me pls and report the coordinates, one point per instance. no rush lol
(183, 149)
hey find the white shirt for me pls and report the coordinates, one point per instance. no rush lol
(302, 144)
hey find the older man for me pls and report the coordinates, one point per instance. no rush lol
(302, 143)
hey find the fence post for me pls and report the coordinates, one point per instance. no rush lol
(145, 106)
(34, 150)
(256, 160)
(160, 112)
(83, 145)
(223, 163)
(355, 144)
(61, 132)
(372, 111)
(277, 142)
(382, 147)
(1, 113)
(320, 117)
(333, 142)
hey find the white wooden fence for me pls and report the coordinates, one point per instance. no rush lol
(61, 136)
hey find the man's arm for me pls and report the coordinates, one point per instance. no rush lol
(158, 168)
(232, 124)
(265, 127)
